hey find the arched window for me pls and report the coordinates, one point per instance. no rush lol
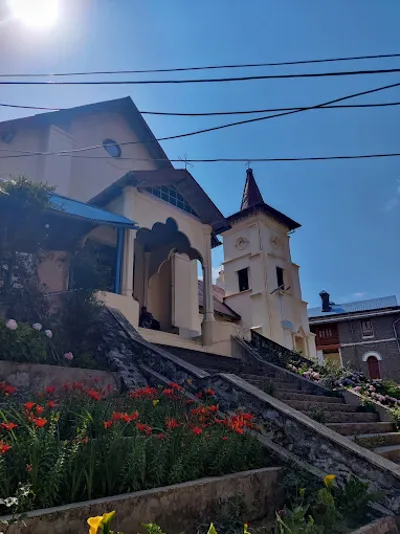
(373, 359)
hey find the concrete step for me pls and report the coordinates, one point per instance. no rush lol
(377, 439)
(360, 428)
(289, 395)
(305, 406)
(345, 417)
(391, 452)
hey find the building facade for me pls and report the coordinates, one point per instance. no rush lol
(364, 335)
(105, 155)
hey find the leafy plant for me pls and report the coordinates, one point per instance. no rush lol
(354, 499)
(24, 344)
(318, 414)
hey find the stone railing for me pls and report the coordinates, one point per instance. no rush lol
(273, 352)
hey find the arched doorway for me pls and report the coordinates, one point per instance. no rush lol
(372, 359)
(165, 276)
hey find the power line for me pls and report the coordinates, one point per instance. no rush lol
(217, 113)
(208, 80)
(236, 160)
(197, 132)
(207, 67)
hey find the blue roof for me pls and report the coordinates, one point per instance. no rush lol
(353, 307)
(78, 209)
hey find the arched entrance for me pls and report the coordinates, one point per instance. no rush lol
(372, 359)
(165, 276)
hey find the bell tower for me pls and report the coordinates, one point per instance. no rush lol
(261, 281)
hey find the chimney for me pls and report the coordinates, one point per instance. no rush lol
(326, 302)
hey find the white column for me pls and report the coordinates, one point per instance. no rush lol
(129, 239)
(208, 303)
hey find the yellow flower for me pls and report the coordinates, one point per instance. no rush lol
(212, 529)
(96, 523)
(155, 402)
(245, 529)
(328, 480)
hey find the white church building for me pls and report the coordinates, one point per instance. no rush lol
(155, 226)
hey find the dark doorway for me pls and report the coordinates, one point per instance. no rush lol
(373, 367)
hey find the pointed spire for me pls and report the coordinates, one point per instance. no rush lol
(251, 193)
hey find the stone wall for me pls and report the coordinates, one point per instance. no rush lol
(386, 525)
(178, 508)
(37, 376)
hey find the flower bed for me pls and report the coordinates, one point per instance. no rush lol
(92, 443)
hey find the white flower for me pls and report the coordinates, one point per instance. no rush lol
(37, 326)
(49, 333)
(11, 324)
(10, 501)
(69, 356)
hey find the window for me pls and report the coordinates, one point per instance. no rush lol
(326, 333)
(367, 329)
(279, 277)
(243, 278)
(170, 194)
(112, 147)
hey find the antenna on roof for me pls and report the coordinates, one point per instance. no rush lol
(185, 159)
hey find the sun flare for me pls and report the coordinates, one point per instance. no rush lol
(35, 13)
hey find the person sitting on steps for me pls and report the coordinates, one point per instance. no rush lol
(146, 320)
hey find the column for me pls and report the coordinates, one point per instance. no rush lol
(128, 244)
(208, 303)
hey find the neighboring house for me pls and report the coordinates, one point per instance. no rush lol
(364, 334)
(105, 156)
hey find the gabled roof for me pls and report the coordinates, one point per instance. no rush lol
(184, 182)
(355, 307)
(93, 214)
(253, 202)
(124, 106)
(218, 299)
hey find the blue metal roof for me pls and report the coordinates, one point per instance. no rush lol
(78, 209)
(353, 307)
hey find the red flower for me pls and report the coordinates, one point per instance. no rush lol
(28, 468)
(78, 386)
(213, 408)
(199, 395)
(145, 429)
(93, 394)
(168, 392)
(50, 390)
(107, 424)
(173, 385)
(116, 416)
(66, 386)
(29, 405)
(160, 436)
(51, 404)
(9, 390)
(39, 410)
(143, 392)
(8, 426)
(238, 430)
(224, 438)
(209, 391)
(126, 418)
(134, 415)
(4, 447)
(197, 430)
(39, 421)
(171, 423)
(85, 440)
(189, 402)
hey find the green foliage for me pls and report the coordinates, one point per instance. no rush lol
(395, 413)
(230, 517)
(25, 344)
(23, 237)
(366, 405)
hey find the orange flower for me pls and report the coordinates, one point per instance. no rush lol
(51, 404)
(134, 415)
(143, 392)
(4, 447)
(160, 436)
(40, 421)
(29, 405)
(39, 410)
(28, 468)
(78, 386)
(173, 385)
(8, 426)
(107, 424)
(197, 430)
(116, 416)
(145, 429)
(9, 390)
(50, 390)
(171, 423)
(209, 391)
(213, 408)
(85, 439)
(224, 438)
(93, 394)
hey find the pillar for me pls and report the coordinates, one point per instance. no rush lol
(208, 302)
(128, 243)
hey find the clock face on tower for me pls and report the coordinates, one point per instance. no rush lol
(241, 243)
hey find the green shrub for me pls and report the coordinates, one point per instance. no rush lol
(25, 344)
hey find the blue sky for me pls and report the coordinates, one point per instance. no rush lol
(350, 210)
